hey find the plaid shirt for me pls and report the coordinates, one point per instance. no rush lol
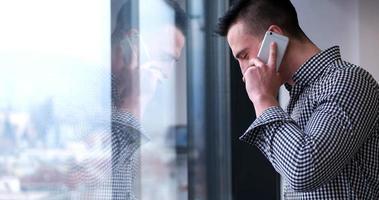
(111, 172)
(126, 139)
(326, 145)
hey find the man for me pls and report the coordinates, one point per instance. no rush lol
(326, 145)
(139, 62)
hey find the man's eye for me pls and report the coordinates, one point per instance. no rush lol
(244, 56)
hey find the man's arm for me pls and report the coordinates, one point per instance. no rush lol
(342, 121)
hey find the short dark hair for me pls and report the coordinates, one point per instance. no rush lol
(260, 14)
(179, 15)
(126, 18)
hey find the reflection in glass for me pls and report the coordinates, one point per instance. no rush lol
(147, 42)
(89, 113)
(54, 102)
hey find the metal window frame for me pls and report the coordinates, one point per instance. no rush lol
(209, 109)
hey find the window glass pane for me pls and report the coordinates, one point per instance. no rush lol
(94, 101)
(149, 88)
(54, 98)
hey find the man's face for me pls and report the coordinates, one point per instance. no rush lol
(159, 53)
(141, 69)
(161, 50)
(243, 44)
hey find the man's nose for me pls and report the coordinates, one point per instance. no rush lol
(243, 66)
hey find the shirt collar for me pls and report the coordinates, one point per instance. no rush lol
(125, 118)
(314, 67)
(122, 119)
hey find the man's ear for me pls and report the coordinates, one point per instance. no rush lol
(276, 29)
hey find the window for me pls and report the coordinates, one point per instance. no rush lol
(113, 100)
(54, 96)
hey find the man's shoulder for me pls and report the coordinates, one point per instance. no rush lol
(345, 73)
(347, 77)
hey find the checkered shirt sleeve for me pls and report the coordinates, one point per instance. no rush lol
(326, 145)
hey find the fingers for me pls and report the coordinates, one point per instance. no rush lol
(245, 74)
(153, 69)
(253, 64)
(256, 62)
(272, 56)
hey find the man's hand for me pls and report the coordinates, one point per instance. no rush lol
(263, 82)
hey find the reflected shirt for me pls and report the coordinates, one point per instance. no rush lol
(326, 145)
(126, 139)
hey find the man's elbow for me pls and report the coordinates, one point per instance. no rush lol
(304, 182)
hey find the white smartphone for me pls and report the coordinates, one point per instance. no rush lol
(264, 51)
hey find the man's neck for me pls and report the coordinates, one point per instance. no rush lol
(298, 53)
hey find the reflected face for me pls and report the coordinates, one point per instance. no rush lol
(161, 50)
(159, 54)
(139, 69)
(243, 44)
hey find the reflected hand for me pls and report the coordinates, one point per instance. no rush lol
(150, 75)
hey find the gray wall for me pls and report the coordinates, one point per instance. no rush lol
(369, 36)
(351, 24)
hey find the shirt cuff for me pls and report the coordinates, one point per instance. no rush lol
(270, 115)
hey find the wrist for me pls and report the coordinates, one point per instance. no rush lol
(262, 103)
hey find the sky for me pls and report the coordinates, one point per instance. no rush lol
(60, 50)
(53, 49)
